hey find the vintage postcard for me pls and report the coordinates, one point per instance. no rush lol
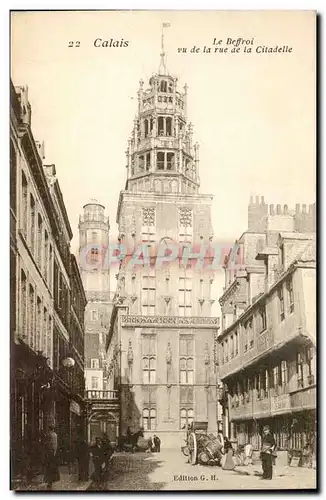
(163, 250)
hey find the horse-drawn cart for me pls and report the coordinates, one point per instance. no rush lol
(200, 447)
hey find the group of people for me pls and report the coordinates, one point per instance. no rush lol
(267, 453)
(101, 453)
(154, 444)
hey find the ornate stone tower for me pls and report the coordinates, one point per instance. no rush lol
(93, 242)
(161, 324)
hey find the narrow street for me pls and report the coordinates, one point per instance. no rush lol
(169, 470)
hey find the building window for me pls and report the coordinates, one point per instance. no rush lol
(262, 319)
(149, 419)
(32, 228)
(31, 316)
(289, 287)
(299, 369)
(236, 344)
(94, 255)
(95, 382)
(95, 364)
(222, 353)
(186, 352)
(309, 355)
(281, 302)
(149, 359)
(186, 417)
(24, 204)
(23, 305)
(185, 296)
(226, 351)
(149, 369)
(148, 295)
(284, 373)
(232, 346)
(94, 315)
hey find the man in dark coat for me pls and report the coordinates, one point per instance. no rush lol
(51, 466)
(267, 449)
(157, 444)
(107, 450)
(82, 455)
(98, 459)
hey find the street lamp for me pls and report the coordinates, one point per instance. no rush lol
(68, 362)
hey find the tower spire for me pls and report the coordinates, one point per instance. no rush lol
(162, 68)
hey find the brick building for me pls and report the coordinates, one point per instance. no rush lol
(40, 296)
(267, 346)
(161, 337)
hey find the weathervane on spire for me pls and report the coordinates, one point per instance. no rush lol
(162, 68)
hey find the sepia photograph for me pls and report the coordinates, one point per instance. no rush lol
(163, 250)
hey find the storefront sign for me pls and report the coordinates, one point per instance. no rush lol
(280, 403)
(74, 407)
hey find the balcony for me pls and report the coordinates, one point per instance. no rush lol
(101, 395)
(177, 321)
(303, 399)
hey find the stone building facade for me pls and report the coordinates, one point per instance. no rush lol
(267, 346)
(161, 339)
(40, 295)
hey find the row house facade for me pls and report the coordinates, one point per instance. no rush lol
(161, 338)
(267, 346)
(40, 289)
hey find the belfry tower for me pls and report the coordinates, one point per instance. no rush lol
(162, 334)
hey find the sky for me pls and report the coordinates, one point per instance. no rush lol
(253, 114)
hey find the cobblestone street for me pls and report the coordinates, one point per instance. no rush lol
(169, 470)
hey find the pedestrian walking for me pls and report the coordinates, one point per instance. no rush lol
(51, 473)
(82, 455)
(129, 434)
(157, 443)
(107, 450)
(267, 452)
(229, 463)
(98, 459)
(150, 443)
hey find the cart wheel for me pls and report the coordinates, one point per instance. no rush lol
(192, 444)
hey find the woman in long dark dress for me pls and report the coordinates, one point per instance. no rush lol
(267, 449)
(229, 463)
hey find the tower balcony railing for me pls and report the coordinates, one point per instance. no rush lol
(95, 394)
(93, 218)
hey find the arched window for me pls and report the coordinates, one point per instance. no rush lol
(168, 122)
(160, 123)
(149, 419)
(145, 419)
(186, 417)
(170, 161)
(149, 370)
(160, 161)
(163, 86)
(146, 128)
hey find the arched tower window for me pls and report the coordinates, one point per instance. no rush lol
(163, 86)
(160, 125)
(168, 125)
(170, 161)
(146, 128)
(160, 160)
